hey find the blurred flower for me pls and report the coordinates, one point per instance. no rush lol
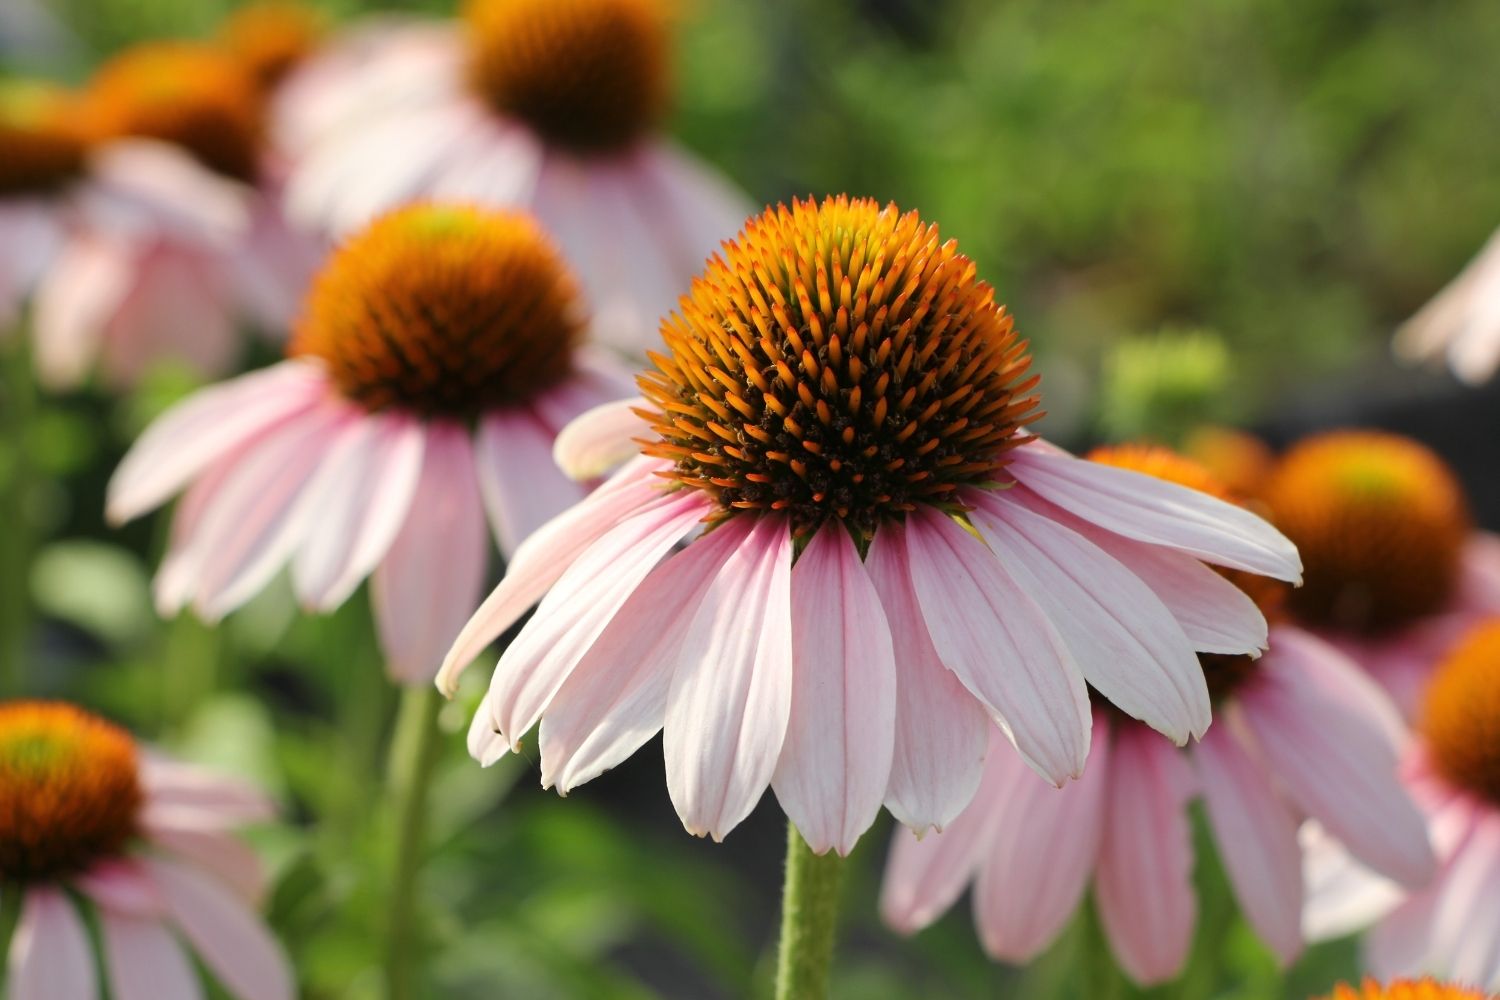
(1395, 571)
(1406, 989)
(552, 105)
(438, 355)
(1463, 321)
(271, 38)
(1236, 458)
(1299, 732)
(841, 391)
(145, 845)
(1451, 927)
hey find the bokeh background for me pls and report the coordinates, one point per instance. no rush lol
(1197, 211)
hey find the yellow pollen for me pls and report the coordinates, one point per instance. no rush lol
(194, 96)
(444, 310)
(69, 790)
(43, 142)
(839, 361)
(270, 38)
(1461, 715)
(1380, 522)
(1406, 989)
(1224, 672)
(588, 75)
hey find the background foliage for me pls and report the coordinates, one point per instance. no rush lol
(1288, 179)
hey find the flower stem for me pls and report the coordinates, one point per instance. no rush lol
(18, 543)
(414, 756)
(809, 920)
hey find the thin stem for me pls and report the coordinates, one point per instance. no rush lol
(809, 920)
(414, 756)
(17, 542)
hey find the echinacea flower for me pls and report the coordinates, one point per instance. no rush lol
(202, 245)
(550, 105)
(1451, 927)
(271, 38)
(438, 355)
(89, 823)
(1406, 989)
(1462, 322)
(1395, 569)
(888, 560)
(1299, 732)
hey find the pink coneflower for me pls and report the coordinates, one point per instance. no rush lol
(1299, 732)
(435, 361)
(146, 846)
(1462, 322)
(183, 248)
(1395, 570)
(841, 392)
(551, 105)
(1406, 989)
(1452, 926)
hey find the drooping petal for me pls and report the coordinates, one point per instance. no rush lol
(185, 834)
(523, 489)
(176, 786)
(616, 698)
(205, 426)
(1326, 731)
(1341, 896)
(1466, 919)
(229, 939)
(1402, 944)
(1153, 510)
(941, 729)
(144, 961)
(434, 571)
(1144, 884)
(579, 607)
(484, 743)
(998, 641)
(1257, 838)
(1123, 638)
(50, 955)
(731, 697)
(599, 440)
(121, 887)
(540, 560)
(77, 295)
(835, 763)
(1041, 853)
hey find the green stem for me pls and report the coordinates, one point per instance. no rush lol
(17, 542)
(414, 757)
(809, 920)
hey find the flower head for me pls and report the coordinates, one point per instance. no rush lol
(147, 843)
(193, 96)
(45, 144)
(1461, 721)
(1405, 989)
(840, 400)
(1381, 523)
(271, 37)
(588, 75)
(437, 357)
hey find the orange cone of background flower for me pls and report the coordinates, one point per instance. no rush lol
(840, 387)
(438, 355)
(1406, 989)
(550, 105)
(147, 844)
(1299, 732)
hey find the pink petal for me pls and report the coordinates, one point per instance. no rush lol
(1466, 920)
(141, 188)
(433, 574)
(1144, 886)
(50, 954)
(925, 874)
(121, 887)
(991, 633)
(175, 786)
(731, 696)
(1257, 838)
(538, 562)
(1152, 510)
(1479, 587)
(485, 744)
(1341, 896)
(1402, 944)
(1041, 854)
(362, 493)
(941, 729)
(75, 299)
(704, 207)
(616, 698)
(1325, 730)
(835, 761)
(579, 607)
(230, 940)
(178, 309)
(144, 961)
(184, 834)
(204, 427)
(601, 439)
(1123, 638)
(522, 488)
